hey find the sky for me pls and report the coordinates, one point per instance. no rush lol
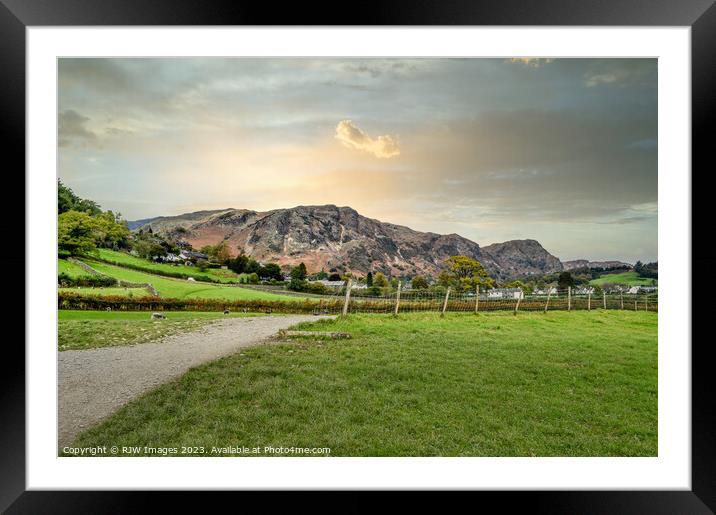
(563, 151)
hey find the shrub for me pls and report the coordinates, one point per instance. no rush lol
(97, 281)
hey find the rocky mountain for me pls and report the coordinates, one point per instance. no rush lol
(335, 238)
(585, 263)
(518, 258)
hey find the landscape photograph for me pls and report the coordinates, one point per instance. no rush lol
(357, 257)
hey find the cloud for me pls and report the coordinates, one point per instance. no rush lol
(72, 128)
(352, 136)
(533, 62)
(617, 72)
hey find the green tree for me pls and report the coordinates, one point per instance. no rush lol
(369, 279)
(68, 201)
(238, 264)
(420, 283)
(299, 272)
(380, 280)
(270, 271)
(565, 280)
(463, 273)
(77, 232)
(112, 232)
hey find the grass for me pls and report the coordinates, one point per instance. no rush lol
(628, 278)
(92, 329)
(560, 384)
(183, 289)
(122, 258)
(71, 269)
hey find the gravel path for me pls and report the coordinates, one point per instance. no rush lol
(94, 383)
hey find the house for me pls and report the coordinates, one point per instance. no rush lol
(505, 293)
(172, 258)
(337, 285)
(585, 290)
(545, 291)
(642, 289)
(190, 256)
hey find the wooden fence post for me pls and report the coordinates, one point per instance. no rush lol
(646, 302)
(477, 298)
(621, 299)
(348, 297)
(447, 295)
(397, 299)
(569, 298)
(589, 301)
(604, 298)
(635, 307)
(517, 306)
(546, 304)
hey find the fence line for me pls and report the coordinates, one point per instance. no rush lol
(406, 301)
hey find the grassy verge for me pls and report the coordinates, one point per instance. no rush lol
(561, 384)
(71, 269)
(92, 329)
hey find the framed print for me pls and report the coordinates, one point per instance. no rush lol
(419, 252)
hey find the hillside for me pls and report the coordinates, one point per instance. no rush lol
(339, 238)
(585, 263)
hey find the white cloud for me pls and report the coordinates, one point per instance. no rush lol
(534, 62)
(352, 136)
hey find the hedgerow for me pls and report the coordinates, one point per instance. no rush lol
(98, 281)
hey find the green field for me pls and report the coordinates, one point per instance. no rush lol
(183, 289)
(556, 384)
(71, 269)
(628, 278)
(122, 258)
(91, 329)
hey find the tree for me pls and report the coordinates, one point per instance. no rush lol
(222, 254)
(76, 232)
(369, 279)
(270, 271)
(518, 284)
(238, 264)
(148, 248)
(68, 201)
(380, 280)
(420, 283)
(202, 264)
(394, 282)
(299, 272)
(334, 277)
(112, 232)
(464, 273)
(565, 280)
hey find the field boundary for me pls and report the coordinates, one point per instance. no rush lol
(388, 305)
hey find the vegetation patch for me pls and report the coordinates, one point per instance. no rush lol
(628, 278)
(91, 329)
(556, 384)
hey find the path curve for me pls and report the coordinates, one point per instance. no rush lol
(94, 383)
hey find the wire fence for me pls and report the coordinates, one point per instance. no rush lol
(426, 301)
(408, 301)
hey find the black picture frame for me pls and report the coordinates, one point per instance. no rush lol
(700, 15)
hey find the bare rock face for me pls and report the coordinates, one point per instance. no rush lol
(518, 258)
(333, 238)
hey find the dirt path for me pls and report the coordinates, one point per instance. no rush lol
(94, 383)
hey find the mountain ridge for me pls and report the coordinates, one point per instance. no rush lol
(338, 238)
